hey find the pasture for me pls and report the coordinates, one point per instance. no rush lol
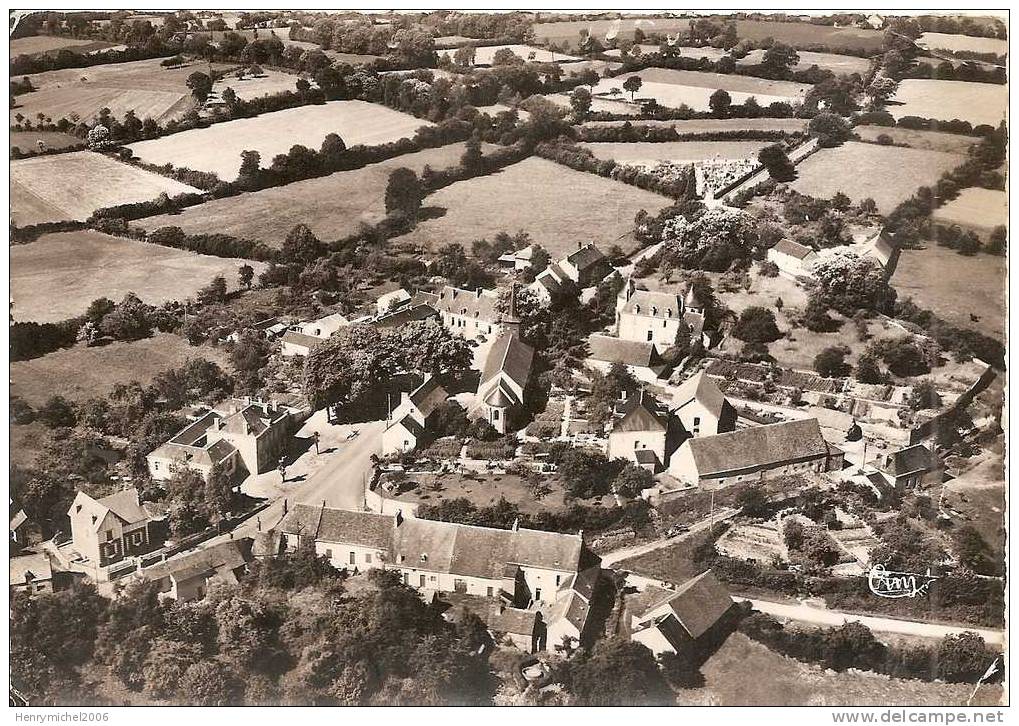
(713, 125)
(73, 185)
(915, 139)
(144, 87)
(888, 174)
(954, 42)
(566, 33)
(680, 152)
(837, 64)
(218, 148)
(81, 373)
(58, 275)
(802, 35)
(975, 208)
(673, 88)
(556, 205)
(43, 44)
(955, 286)
(485, 54)
(248, 86)
(332, 206)
(620, 106)
(685, 51)
(978, 103)
(29, 140)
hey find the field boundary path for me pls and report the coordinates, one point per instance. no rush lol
(800, 153)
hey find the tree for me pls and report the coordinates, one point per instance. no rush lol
(214, 292)
(429, 347)
(868, 370)
(632, 480)
(923, 395)
(830, 129)
(618, 672)
(831, 362)
(852, 645)
(200, 85)
(776, 161)
(57, 412)
(301, 246)
(753, 501)
(472, 160)
(756, 325)
(720, 102)
(245, 274)
(129, 320)
(98, 137)
(633, 84)
(210, 683)
(404, 193)
(464, 56)
(251, 162)
(963, 658)
(332, 151)
(847, 283)
(165, 665)
(779, 58)
(585, 474)
(580, 102)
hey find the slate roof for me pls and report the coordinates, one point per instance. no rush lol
(500, 397)
(549, 281)
(641, 413)
(413, 427)
(911, 459)
(222, 559)
(653, 304)
(297, 338)
(587, 256)
(125, 505)
(365, 529)
(428, 396)
(645, 456)
(629, 352)
(193, 432)
(409, 313)
(705, 391)
(513, 620)
(30, 568)
(477, 304)
(793, 249)
(697, 604)
(511, 356)
(758, 447)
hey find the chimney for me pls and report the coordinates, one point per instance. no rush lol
(516, 524)
(478, 293)
(399, 517)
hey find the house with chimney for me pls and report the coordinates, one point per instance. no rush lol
(911, 468)
(188, 576)
(240, 436)
(109, 533)
(584, 267)
(658, 317)
(471, 314)
(505, 375)
(702, 408)
(684, 620)
(641, 433)
(408, 424)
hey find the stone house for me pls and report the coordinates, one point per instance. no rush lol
(684, 619)
(105, 532)
(409, 422)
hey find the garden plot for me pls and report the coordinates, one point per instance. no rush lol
(218, 148)
(693, 88)
(978, 103)
(887, 174)
(73, 185)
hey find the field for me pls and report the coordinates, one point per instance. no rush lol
(955, 286)
(250, 87)
(675, 88)
(855, 168)
(800, 35)
(567, 32)
(952, 42)
(73, 185)
(80, 373)
(978, 103)
(142, 86)
(484, 55)
(40, 44)
(556, 205)
(218, 148)
(975, 208)
(711, 125)
(333, 206)
(29, 140)
(677, 151)
(58, 275)
(932, 140)
(621, 106)
(712, 54)
(833, 62)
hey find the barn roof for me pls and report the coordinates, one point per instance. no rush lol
(697, 604)
(617, 350)
(758, 446)
(793, 249)
(641, 413)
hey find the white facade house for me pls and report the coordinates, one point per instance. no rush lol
(658, 317)
(391, 301)
(640, 435)
(792, 259)
(408, 423)
(471, 314)
(702, 408)
(677, 621)
(303, 337)
(583, 267)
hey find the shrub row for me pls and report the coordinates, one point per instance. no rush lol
(582, 159)
(630, 133)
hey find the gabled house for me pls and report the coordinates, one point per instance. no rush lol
(911, 468)
(584, 267)
(188, 576)
(421, 306)
(756, 453)
(569, 617)
(471, 314)
(409, 422)
(683, 619)
(391, 301)
(658, 317)
(303, 337)
(702, 408)
(792, 259)
(641, 433)
(640, 357)
(107, 531)
(519, 260)
(523, 628)
(504, 378)
(31, 573)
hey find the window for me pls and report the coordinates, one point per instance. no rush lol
(329, 553)
(352, 558)
(421, 581)
(537, 593)
(495, 414)
(650, 336)
(558, 579)
(109, 535)
(368, 559)
(490, 592)
(137, 538)
(665, 323)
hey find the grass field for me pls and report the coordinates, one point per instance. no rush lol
(978, 103)
(975, 208)
(710, 125)
(888, 174)
(800, 35)
(29, 140)
(833, 62)
(254, 87)
(685, 51)
(58, 275)
(40, 44)
(73, 185)
(931, 140)
(676, 151)
(693, 88)
(484, 55)
(556, 205)
(567, 32)
(621, 106)
(218, 148)
(333, 206)
(145, 87)
(955, 286)
(80, 373)
(951, 41)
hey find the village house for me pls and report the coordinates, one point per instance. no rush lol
(502, 389)
(524, 629)
(640, 435)
(792, 259)
(911, 468)
(302, 338)
(519, 260)
(188, 576)
(31, 573)
(683, 620)
(471, 314)
(408, 424)
(421, 306)
(753, 454)
(391, 301)
(109, 531)
(702, 408)
(240, 435)
(583, 267)
(526, 567)
(568, 619)
(640, 357)
(658, 317)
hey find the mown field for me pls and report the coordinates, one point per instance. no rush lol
(975, 208)
(145, 87)
(978, 103)
(677, 151)
(484, 55)
(333, 206)
(29, 140)
(955, 286)
(56, 276)
(620, 106)
(73, 185)
(80, 373)
(693, 88)
(556, 205)
(801, 35)
(711, 125)
(833, 62)
(40, 44)
(249, 87)
(888, 174)
(567, 32)
(685, 51)
(218, 148)
(952, 41)
(932, 140)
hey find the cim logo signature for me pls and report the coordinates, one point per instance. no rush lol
(891, 584)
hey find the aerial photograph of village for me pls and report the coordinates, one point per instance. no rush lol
(508, 358)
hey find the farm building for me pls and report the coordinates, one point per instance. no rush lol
(640, 434)
(685, 618)
(31, 573)
(188, 576)
(911, 468)
(408, 423)
(640, 357)
(702, 408)
(792, 259)
(584, 267)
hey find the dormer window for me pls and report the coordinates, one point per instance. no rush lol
(636, 309)
(669, 312)
(424, 557)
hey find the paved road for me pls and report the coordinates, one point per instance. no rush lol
(611, 558)
(821, 616)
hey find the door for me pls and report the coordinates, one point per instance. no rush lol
(460, 585)
(421, 581)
